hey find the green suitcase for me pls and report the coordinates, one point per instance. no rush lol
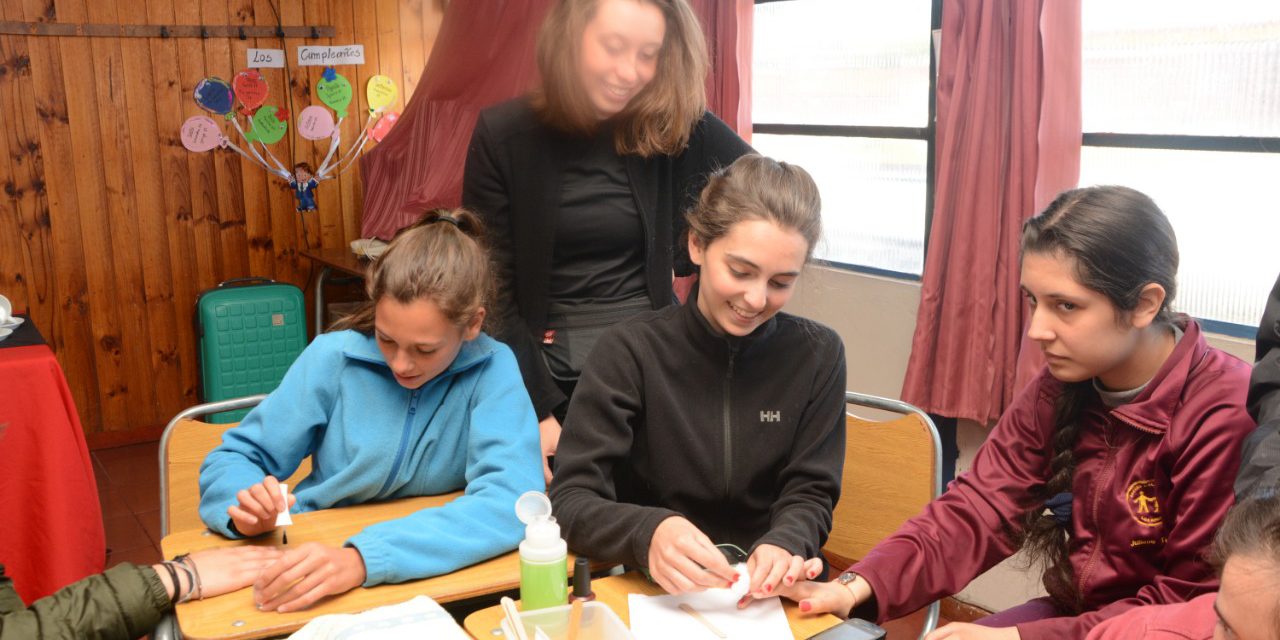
(250, 331)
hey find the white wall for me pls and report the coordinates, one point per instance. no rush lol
(876, 318)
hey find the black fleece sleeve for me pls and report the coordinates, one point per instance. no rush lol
(801, 516)
(712, 146)
(484, 191)
(1260, 463)
(126, 601)
(604, 414)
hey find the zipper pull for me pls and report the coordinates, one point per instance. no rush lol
(413, 402)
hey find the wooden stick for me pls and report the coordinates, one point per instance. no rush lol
(575, 619)
(513, 616)
(701, 618)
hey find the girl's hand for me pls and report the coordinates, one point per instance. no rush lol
(259, 505)
(682, 559)
(963, 631)
(549, 433)
(220, 570)
(771, 565)
(306, 574)
(827, 597)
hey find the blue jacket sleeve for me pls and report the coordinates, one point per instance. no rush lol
(276, 435)
(503, 462)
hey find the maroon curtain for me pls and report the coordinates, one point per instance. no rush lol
(483, 55)
(1008, 140)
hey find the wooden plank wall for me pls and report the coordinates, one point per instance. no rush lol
(109, 228)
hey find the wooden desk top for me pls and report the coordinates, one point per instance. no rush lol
(614, 590)
(340, 259)
(233, 615)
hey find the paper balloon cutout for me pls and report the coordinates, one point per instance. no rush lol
(267, 128)
(315, 123)
(251, 88)
(200, 134)
(381, 92)
(383, 127)
(335, 91)
(215, 96)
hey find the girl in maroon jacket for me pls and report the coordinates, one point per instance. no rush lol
(1112, 468)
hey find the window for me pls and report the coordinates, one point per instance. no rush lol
(845, 90)
(1181, 101)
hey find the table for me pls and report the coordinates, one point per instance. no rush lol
(329, 259)
(233, 615)
(614, 590)
(53, 533)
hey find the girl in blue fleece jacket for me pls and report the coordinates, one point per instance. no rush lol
(410, 398)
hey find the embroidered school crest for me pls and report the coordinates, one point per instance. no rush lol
(1144, 505)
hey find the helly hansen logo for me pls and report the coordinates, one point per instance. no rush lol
(770, 416)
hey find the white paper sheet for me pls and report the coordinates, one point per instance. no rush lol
(283, 518)
(415, 619)
(660, 617)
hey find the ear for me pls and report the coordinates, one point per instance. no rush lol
(697, 253)
(1150, 301)
(472, 330)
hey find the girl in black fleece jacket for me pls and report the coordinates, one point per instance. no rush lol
(721, 421)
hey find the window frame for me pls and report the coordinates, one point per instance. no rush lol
(927, 134)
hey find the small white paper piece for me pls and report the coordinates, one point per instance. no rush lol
(660, 617)
(317, 56)
(282, 518)
(265, 58)
(418, 618)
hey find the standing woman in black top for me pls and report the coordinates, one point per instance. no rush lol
(583, 183)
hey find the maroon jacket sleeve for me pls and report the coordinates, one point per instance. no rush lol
(1200, 496)
(963, 532)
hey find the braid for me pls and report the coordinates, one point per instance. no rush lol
(1043, 538)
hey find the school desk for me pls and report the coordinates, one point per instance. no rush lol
(329, 260)
(233, 615)
(614, 590)
(52, 533)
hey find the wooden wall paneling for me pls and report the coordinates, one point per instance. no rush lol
(201, 171)
(326, 221)
(43, 109)
(92, 213)
(365, 31)
(344, 16)
(390, 61)
(253, 180)
(132, 331)
(147, 212)
(228, 222)
(411, 45)
(280, 217)
(173, 104)
(300, 83)
(13, 229)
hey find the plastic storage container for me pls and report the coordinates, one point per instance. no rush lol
(599, 622)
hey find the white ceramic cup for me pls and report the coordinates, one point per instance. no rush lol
(6, 310)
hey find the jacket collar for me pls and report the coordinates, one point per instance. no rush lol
(362, 347)
(700, 328)
(1153, 409)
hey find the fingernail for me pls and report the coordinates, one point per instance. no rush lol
(813, 574)
(790, 581)
(728, 585)
(768, 588)
(805, 606)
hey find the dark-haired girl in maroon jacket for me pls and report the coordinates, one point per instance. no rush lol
(1113, 468)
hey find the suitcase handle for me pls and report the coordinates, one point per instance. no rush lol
(242, 282)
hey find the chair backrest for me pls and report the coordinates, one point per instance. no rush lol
(892, 469)
(183, 447)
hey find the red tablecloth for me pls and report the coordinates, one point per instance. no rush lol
(50, 519)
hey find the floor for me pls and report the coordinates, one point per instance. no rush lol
(129, 490)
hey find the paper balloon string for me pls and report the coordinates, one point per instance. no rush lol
(334, 91)
(251, 89)
(200, 134)
(381, 92)
(215, 96)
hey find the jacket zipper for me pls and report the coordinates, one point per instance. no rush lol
(1103, 480)
(404, 440)
(728, 430)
